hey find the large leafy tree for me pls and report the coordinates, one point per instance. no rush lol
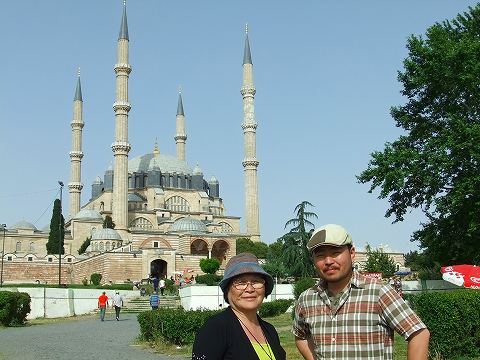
(379, 261)
(108, 223)
(57, 230)
(259, 249)
(435, 164)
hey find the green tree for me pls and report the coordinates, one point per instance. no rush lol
(209, 266)
(57, 230)
(108, 223)
(259, 249)
(85, 245)
(435, 164)
(378, 261)
(296, 257)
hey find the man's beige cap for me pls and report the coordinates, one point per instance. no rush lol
(331, 234)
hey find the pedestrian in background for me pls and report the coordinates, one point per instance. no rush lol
(155, 283)
(154, 300)
(162, 285)
(102, 305)
(349, 316)
(117, 303)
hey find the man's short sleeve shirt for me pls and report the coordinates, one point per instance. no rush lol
(361, 326)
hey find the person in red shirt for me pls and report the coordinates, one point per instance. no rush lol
(102, 305)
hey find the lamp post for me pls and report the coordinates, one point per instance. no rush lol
(3, 254)
(60, 238)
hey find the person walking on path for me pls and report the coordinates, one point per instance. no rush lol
(162, 285)
(102, 305)
(155, 283)
(117, 303)
(154, 300)
(349, 316)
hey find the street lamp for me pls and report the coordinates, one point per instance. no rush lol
(60, 238)
(3, 254)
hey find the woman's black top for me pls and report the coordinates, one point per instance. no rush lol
(222, 338)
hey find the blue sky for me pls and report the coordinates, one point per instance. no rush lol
(325, 73)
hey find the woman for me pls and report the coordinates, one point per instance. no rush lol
(238, 332)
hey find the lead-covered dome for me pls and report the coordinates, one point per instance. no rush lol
(88, 214)
(24, 225)
(106, 234)
(166, 164)
(188, 224)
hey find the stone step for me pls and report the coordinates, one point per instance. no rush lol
(142, 303)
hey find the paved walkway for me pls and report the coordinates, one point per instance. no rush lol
(79, 339)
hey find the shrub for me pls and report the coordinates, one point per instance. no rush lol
(453, 320)
(176, 326)
(208, 279)
(209, 266)
(14, 307)
(95, 278)
(301, 285)
(274, 308)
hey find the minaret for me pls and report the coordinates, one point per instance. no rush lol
(180, 136)
(121, 147)
(75, 186)
(250, 162)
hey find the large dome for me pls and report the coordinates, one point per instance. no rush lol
(188, 224)
(105, 234)
(24, 225)
(166, 164)
(88, 214)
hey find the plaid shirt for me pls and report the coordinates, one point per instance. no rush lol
(362, 325)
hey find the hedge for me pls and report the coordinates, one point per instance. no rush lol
(176, 326)
(14, 307)
(208, 279)
(274, 308)
(453, 318)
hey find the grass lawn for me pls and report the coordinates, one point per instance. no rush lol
(283, 324)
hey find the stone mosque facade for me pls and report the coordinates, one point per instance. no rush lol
(167, 215)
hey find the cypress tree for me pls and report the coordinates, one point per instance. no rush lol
(54, 236)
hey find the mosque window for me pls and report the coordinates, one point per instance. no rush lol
(156, 244)
(32, 247)
(18, 246)
(50, 259)
(9, 258)
(199, 247)
(101, 247)
(30, 258)
(177, 203)
(107, 246)
(225, 228)
(69, 259)
(141, 223)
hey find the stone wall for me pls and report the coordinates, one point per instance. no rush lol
(29, 272)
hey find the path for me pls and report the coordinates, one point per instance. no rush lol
(79, 339)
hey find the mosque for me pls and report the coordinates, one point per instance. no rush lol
(167, 215)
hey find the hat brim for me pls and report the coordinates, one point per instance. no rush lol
(245, 268)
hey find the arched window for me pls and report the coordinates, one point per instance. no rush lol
(100, 247)
(107, 246)
(18, 246)
(226, 228)
(32, 247)
(177, 203)
(141, 223)
(199, 247)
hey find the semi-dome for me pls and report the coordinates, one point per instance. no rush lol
(24, 225)
(106, 234)
(135, 197)
(166, 164)
(88, 214)
(188, 224)
(97, 180)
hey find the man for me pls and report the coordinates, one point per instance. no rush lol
(155, 283)
(348, 316)
(117, 302)
(154, 299)
(102, 305)
(162, 285)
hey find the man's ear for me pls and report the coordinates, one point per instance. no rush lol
(352, 252)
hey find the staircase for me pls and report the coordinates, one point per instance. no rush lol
(142, 303)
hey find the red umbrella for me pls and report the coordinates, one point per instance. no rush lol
(466, 275)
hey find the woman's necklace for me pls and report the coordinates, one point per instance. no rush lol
(269, 353)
